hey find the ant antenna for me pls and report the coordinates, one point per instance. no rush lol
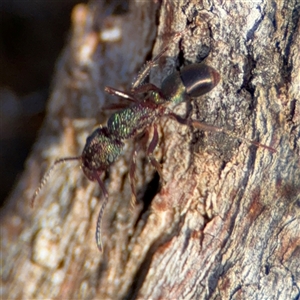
(48, 174)
(98, 226)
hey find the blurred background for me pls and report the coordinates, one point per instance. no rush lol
(32, 35)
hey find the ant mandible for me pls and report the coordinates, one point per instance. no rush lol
(150, 103)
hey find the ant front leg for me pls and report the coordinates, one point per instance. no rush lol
(152, 160)
(132, 178)
(151, 149)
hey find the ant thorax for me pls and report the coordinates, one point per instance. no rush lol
(133, 120)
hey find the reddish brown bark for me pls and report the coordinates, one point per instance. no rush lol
(226, 223)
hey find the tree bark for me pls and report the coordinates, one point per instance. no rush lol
(226, 222)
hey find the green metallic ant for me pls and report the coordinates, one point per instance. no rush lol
(150, 104)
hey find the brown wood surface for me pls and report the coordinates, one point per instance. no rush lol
(226, 223)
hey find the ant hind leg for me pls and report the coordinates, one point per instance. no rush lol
(121, 94)
(151, 63)
(206, 127)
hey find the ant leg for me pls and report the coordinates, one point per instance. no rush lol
(153, 161)
(146, 70)
(149, 87)
(143, 74)
(145, 88)
(98, 226)
(150, 150)
(132, 178)
(150, 64)
(121, 94)
(203, 126)
(206, 127)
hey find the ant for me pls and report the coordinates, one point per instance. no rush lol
(150, 104)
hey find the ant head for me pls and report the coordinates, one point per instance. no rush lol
(100, 151)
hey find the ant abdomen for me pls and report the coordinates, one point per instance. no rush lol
(199, 79)
(191, 81)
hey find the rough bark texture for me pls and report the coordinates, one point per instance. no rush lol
(226, 223)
